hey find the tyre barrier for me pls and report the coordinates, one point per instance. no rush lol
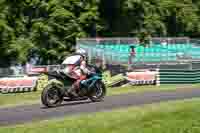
(142, 82)
(16, 90)
(17, 85)
(142, 77)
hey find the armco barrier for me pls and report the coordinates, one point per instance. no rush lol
(175, 76)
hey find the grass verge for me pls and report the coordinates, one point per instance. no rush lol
(7, 100)
(148, 88)
(14, 99)
(170, 117)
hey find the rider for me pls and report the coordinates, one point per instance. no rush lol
(76, 68)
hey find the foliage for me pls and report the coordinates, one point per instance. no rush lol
(46, 30)
(157, 17)
(42, 82)
(110, 80)
(43, 29)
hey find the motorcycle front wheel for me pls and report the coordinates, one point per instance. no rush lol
(98, 92)
(51, 96)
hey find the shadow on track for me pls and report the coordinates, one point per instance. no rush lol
(71, 103)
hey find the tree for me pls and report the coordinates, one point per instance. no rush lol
(46, 29)
(157, 17)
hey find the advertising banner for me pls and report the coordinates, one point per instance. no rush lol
(144, 77)
(36, 70)
(22, 84)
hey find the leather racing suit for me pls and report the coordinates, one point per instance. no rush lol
(75, 67)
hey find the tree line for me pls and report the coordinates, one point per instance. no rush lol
(46, 30)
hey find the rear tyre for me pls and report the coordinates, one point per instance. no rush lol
(98, 93)
(51, 96)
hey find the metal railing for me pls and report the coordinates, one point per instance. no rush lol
(15, 71)
(164, 50)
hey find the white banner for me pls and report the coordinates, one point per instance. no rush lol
(22, 84)
(145, 77)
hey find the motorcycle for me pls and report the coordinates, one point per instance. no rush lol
(56, 92)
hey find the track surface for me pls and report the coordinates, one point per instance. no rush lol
(24, 114)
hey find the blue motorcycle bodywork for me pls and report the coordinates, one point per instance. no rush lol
(90, 82)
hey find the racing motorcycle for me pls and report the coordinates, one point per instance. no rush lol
(55, 92)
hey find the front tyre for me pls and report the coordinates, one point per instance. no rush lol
(51, 96)
(98, 92)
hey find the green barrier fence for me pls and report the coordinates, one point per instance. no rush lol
(176, 76)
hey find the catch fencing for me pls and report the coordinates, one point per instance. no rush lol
(159, 50)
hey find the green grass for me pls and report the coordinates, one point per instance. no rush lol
(19, 98)
(171, 117)
(34, 97)
(148, 88)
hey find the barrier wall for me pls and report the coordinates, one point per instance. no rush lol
(181, 74)
(24, 83)
(142, 78)
(13, 85)
(176, 76)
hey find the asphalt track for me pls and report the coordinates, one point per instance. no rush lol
(29, 113)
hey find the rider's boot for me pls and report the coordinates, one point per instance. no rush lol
(72, 92)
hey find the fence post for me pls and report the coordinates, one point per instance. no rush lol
(90, 55)
(157, 77)
(104, 61)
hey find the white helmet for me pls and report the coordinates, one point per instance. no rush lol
(82, 52)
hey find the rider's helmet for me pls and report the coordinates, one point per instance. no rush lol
(82, 52)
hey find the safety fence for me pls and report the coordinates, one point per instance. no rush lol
(140, 77)
(176, 76)
(28, 83)
(159, 50)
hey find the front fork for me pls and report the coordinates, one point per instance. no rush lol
(90, 82)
